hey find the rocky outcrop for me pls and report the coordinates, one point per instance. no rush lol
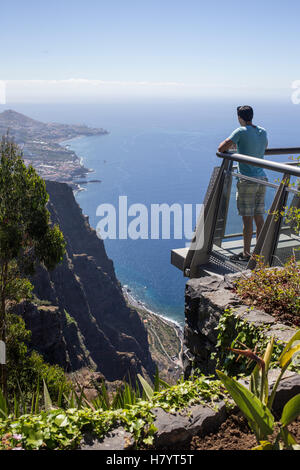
(117, 439)
(83, 319)
(180, 427)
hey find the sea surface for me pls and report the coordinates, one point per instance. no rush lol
(158, 152)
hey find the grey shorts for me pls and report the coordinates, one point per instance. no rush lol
(250, 197)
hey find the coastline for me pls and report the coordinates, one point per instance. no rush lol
(165, 339)
(76, 186)
(47, 146)
(139, 304)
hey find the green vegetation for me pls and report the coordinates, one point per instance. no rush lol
(291, 215)
(257, 402)
(27, 368)
(277, 291)
(58, 428)
(26, 236)
(233, 331)
(39, 302)
(70, 320)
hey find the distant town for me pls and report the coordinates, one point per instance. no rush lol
(42, 147)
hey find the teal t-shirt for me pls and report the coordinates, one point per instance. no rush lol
(252, 141)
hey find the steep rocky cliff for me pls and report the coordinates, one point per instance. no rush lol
(80, 318)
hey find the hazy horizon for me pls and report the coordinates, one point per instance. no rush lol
(87, 91)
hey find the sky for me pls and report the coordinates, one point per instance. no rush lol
(59, 49)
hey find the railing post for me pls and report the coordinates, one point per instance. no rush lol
(199, 253)
(221, 221)
(296, 205)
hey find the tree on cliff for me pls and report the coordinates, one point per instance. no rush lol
(26, 236)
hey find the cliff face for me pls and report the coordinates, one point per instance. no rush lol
(82, 318)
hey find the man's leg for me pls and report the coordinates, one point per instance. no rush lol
(247, 233)
(259, 208)
(246, 193)
(259, 222)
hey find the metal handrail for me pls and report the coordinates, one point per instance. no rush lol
(254, 180)
(283, 151)
(267, 164)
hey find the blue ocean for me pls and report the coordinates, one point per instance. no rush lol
(158, 152)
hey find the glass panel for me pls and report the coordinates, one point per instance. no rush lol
(228, 237)
(289, 241)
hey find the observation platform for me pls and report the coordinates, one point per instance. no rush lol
(218, 235)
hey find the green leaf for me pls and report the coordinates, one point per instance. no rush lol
(268, 354)
(164, 384)
(264, 385)
(296, 337)
(104, 395)
(61, 420)
(287, 356)
(291, 411)
(156, 380)
(79, 398)
(60, 396)
(148, 440)
(146, 387)
(287, 438)
(47, 399)
(127, 395)
(35, 439)
(16, 407)
(264, 445)
(254, 410)
(37, 397)
(3, 406)
(255, 381)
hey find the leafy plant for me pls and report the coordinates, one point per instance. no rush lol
(233, 330)
(257, 401)
(58, 428)
(277, 291)
(291, 214)
(27, 368)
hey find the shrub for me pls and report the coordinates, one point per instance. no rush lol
(233, 331)
(25, 368)
(275, 290)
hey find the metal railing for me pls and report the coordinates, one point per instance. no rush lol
(260, 162)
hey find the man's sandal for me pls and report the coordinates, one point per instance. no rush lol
(240, 257)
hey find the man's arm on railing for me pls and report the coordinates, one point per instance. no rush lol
(226, 145)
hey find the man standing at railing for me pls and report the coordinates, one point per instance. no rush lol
(249, 140)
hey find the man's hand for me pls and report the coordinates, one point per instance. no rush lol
(226, 145)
